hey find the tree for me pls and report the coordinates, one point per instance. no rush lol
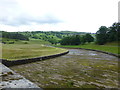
(66, 41)
(75, 40)
(71, 40)
(53, 41)
(113, 32)
(83, 39)
(101, 35)
(89, 38)
(118, 31)
(110, 34)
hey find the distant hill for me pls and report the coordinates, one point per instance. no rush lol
(53, 37)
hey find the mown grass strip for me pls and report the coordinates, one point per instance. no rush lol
(24, 51)
(111, 49)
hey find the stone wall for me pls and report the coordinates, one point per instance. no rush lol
(29, 60)
(10, 79)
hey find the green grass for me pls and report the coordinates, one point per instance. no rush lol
(28, 49)
(113, 43)
(31, 41)
(109, 47)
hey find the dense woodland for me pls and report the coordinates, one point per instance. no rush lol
(102, 36)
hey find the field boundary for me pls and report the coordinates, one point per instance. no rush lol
(117, 55)
(29, 60)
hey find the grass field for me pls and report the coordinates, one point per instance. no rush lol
(109, 47)
(31, 41)
(28, 49)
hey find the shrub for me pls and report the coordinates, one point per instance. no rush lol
(3, 42)
(25, 42)
(11, 43)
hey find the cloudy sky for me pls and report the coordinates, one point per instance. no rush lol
(57, 15)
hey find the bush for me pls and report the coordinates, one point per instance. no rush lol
(11, 43)
(25, 42)
(3, 42)
(16, 39)
(71, 40)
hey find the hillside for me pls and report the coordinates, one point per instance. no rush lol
(53, 37)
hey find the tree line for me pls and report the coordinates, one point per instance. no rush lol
(13, 35)
(102, 36)
(77, 39)
(53, 37)
(108, 34)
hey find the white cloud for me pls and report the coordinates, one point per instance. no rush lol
(28, 20)
(15, 15)
(75, 15)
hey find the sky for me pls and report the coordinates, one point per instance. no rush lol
(57, 15)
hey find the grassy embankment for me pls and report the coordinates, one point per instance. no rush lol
(27, 49)
(108, 47)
